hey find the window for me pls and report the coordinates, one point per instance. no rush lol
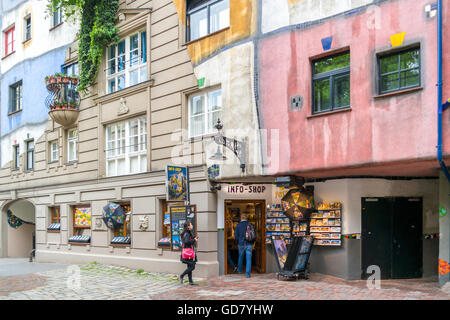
(204, 111)
(71, 93)
(126, 147)
(16, 157)
(55, 216)
(400, 70)
(55, 220)
(71, 69)
(30, 154)
(127, 62)
(54, 151)
(72, 139)
(165, 237)
(331, 83)
(206, 17)
(125, 229)
(15, 93)
(57, 17)
(27, 28)
(81, 219)
(9, 41)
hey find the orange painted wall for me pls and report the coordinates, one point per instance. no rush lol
(243, 25)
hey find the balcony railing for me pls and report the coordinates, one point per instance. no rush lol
(63, 99)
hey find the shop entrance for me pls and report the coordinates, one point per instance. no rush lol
(392, 237)
(255, 210)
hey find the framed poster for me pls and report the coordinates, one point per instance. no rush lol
(178, 216)
(177, 183)
(82, 217)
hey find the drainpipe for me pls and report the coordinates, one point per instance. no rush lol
(441, 107)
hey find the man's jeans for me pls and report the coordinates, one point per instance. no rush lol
(247, 249)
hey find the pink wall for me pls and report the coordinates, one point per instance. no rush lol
(395, 132)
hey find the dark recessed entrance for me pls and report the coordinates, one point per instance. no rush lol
(391, 237)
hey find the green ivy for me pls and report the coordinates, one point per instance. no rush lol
(97, 30)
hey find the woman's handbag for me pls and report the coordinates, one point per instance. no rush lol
(188, 253)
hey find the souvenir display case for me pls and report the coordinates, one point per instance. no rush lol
(326, 224)
(278, 225)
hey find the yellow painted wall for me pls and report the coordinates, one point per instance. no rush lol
(242, 25)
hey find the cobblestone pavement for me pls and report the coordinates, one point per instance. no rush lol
(96, 282)
(318, 287)
(102, 282)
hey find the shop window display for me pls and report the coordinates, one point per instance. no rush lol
(122, 234)
(55, 220)
(81, 225)
(165, 239)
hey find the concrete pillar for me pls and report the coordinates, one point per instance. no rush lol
(444, 229)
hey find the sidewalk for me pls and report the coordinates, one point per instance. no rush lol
(104, 282)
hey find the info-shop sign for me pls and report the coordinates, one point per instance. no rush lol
(240, 189)
(178, 216)
(177, 183)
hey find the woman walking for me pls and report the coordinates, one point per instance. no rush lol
(189, 242)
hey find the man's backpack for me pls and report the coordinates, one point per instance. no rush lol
(250, 234)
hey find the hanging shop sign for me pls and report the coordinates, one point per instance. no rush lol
(178, 216)
(177, 183)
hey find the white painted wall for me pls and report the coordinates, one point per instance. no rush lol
(291, 12)
(232, 70)
(43, 39)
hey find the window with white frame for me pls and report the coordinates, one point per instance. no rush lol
(204, 111)
(72, 139)
(126, 147)
(206, 17)
(54, 151)
(127, 62)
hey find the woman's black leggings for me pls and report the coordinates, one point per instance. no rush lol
(188, 271)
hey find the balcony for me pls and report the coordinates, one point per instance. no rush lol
(63, 99)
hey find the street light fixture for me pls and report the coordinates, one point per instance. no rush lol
(238, 147)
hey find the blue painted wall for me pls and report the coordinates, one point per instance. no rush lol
(32, 72)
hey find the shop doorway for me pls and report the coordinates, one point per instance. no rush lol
(391, 237)
(255, 210)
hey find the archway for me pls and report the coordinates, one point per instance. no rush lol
(18, 229)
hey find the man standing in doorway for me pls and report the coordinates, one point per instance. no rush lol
(244, 236)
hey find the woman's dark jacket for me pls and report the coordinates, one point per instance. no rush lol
(188, 241)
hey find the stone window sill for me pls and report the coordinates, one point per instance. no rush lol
(396, 93)
(328, 113)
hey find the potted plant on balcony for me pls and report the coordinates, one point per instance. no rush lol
(74, 80)
(72, 105)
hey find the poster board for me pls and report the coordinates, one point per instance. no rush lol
(178, 216)
(177, 183)
(281, 251)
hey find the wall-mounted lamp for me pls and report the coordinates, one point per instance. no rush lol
(238, 147)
